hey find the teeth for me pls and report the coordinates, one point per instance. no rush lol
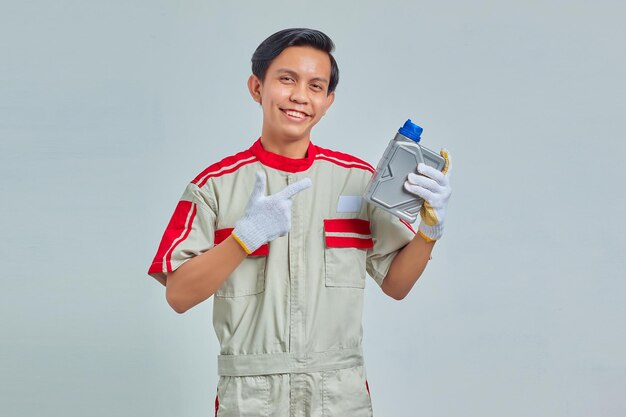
(295, 113)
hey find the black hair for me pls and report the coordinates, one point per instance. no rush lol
(271, 47)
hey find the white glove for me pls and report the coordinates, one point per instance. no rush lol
(266, 218)
(434, 187)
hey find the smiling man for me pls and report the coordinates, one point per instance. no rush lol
(294, 92)
(281, 238)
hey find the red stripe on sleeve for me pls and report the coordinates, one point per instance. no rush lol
(186, 231)
(176, 231)
(359, 226)
(407, 224)
(222, 234)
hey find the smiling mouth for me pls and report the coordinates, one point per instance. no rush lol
(295, 114)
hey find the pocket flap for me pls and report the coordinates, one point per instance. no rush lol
(348, 233)
(222, 234)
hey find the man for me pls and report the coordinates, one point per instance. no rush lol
(280, 236)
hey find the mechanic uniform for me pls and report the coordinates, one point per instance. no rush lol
(288, 318)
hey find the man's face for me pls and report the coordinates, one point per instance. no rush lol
(294, 93)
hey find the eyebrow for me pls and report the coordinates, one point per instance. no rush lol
(291, 72)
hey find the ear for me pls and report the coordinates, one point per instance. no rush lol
(255, 87)
(330, 99)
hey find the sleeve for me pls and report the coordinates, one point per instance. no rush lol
(190, 232)
(390, 234)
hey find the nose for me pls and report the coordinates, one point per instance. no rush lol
(299, 93)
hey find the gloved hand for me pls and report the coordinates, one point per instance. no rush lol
(266, 217)
(434, 187)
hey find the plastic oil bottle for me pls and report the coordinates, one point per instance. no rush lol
(386, 187)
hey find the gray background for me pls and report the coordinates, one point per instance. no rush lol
(108, 109)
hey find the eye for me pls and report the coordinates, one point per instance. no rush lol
(318, 87)
(286, 78)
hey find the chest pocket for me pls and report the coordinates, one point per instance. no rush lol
(249, 277)
(346, 243)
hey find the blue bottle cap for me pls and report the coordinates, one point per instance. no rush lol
(411, 130)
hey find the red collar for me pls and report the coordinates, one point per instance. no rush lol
(283, 163)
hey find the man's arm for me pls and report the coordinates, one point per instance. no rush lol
(407, 267)
(265, 219)
(434, 187)
(201, 276)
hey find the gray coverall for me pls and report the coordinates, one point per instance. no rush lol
(288, 319)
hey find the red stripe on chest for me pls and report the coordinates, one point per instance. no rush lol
(222, 234)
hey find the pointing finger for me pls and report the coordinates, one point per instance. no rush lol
(294, 188)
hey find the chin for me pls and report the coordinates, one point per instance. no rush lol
(295, 136)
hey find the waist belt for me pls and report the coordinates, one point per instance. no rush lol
(288, 363)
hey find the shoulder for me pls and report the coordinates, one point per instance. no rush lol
(342, 159)
(225, 166)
